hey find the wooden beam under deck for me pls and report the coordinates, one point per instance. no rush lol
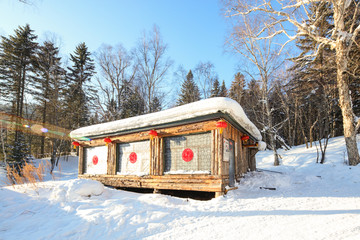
(206, 183)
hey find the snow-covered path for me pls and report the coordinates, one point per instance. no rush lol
(311, 201)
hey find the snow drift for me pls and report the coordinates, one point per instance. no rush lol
(311, 201)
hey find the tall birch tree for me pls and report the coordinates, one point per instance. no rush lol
(262, 55)
(286, 16)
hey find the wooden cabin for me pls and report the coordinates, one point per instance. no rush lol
(201, 146)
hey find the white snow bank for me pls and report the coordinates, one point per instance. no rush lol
(76, 189)
(261, 145)
(184, 112)
(85, 188)
(311, 201)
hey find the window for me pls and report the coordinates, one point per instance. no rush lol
(134, 158)
(188, 154)
(95, 160)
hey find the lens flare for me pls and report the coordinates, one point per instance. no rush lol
(15, 123)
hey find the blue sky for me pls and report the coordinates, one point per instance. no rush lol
(193, 29)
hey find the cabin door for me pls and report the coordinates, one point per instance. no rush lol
(231, 163)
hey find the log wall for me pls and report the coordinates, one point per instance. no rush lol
(215, 182)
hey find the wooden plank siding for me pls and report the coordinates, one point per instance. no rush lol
(213, 182)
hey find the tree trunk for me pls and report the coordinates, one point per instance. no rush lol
(272, 137)
(346, 106)
(42, 145)
(3, 142)
(276, 157)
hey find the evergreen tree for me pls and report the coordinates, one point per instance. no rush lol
(17, 55)
(223, 90)
(251, 103)
(132, 104)
(189, 91)
(215, 90)
(237, 90)
(51, 81)
(314, 81)
(155, 105)
(138, 103)
(78, 93)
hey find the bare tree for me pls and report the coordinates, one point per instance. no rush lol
(344, 35)
(263, 55)
(205, 76)
(117, 68)
(153, 66)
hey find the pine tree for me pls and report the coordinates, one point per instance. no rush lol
(155, 105)
(137, 103)
(189, 91)
(223, 90)
(314, 81)
(237, 90)
(215, 90)
(17, 55)
(51, 84)
(50, 81)
(132, 104)
(78, 93)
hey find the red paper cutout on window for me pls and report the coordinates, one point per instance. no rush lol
(187, 155)
(95, 160)
(133, 157)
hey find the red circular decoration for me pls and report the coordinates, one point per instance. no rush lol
(95, 160)
(133, 157)
(187, 155)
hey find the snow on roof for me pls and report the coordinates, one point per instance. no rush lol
(184, 112)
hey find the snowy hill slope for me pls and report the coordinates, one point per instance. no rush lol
(311, 201)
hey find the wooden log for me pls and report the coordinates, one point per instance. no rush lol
(81, 161)
(207, 185)
(188, 128)
(111, 159)
(219, 194)
(203, 126)
(161, 157)
(157, 191)
(158, 153)
(230, 189)
(237, 149)
(152, 165)
(220, 152)
(212, 166)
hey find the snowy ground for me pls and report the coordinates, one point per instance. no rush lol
(311, 201)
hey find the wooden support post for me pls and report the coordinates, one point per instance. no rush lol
(220, 153)
(161, 157)
(213, 157)
(111, 158)
(157, 191)
(219, 194)
(152, 157)
(81, 160)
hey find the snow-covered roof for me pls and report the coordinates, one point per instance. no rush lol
(189, 111)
